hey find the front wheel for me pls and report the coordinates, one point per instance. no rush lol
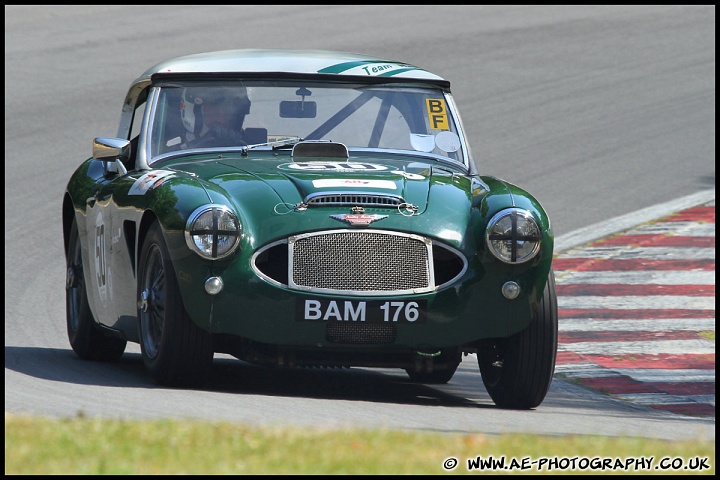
(86, 338)
(517, 371)
(176, 352)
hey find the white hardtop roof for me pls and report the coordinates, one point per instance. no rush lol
(289, 61)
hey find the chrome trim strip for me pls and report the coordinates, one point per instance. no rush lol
(458, 254)
(274, 282)
(260, 274)
(388, 201)
(143, 157)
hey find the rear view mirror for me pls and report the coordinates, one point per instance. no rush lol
(301, 109)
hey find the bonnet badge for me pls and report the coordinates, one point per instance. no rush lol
(358, 219)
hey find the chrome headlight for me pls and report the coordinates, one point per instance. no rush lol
(213, 231)
(513, 236)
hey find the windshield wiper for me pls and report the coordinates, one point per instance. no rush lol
(276, 145)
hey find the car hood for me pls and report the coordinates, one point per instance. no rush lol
(330, 182)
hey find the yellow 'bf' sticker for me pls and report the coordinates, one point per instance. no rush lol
(437, 114)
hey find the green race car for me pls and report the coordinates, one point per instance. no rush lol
(305, 208)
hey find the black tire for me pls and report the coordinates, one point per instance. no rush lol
(442, 375)
(86, 338)
(517, 371)
(176, 352)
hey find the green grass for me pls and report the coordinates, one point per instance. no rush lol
(38, 446)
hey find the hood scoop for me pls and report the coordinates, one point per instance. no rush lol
(319, 148)
(353, 199)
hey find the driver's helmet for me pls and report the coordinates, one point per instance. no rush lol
(233, 98)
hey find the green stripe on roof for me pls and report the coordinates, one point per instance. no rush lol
(395, 72)
(342, 67)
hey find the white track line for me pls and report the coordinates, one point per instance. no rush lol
(649, 277)
(675, 347)
(680, 229)
(636, 302)
(665, 399)
(639, 325)
(668, 374)
(626, 252)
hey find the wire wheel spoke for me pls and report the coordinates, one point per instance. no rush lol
(153, 317)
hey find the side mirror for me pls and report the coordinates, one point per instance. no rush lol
(115, 150)
(108, 149)
(301, 109)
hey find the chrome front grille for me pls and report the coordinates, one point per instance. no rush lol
(353, 199)
(360, 262)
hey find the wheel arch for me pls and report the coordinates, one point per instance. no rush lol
(68, 215)
(148, 218)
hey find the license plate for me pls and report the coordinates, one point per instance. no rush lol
(367, 311)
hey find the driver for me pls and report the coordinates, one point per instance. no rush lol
(213, 116)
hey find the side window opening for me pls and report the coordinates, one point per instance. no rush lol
(135, 133)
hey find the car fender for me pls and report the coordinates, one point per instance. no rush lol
(532, 275)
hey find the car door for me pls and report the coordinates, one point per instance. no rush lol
(111, 239)
(98, 225)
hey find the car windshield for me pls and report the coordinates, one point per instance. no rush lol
(265, 114)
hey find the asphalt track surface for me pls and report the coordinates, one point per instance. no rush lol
(605, 113)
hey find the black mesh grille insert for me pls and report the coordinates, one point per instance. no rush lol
(361, 261)
(368, 333)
